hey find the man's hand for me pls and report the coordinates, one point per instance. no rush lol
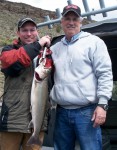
(42, 72)
(44, 65)
(45, 40)
(99, 116)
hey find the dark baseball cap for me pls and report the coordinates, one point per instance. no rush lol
(25, 20)
(73, 8)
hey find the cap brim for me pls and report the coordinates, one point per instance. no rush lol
(25, 21)
(63, 14)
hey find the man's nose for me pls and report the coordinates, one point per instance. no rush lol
(71, 21)
(29, 32)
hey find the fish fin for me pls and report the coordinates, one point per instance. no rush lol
(31, 125)
(34, 141)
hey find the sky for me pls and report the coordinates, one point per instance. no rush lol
(54, 4)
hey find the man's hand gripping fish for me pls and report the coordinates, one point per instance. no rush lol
(39, 95)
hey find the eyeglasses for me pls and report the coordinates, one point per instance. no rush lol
(75, 19)
(28, 30)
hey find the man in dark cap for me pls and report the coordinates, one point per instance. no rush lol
(18, 67)
(82, 85)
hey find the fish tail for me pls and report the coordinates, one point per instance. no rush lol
(34, 141)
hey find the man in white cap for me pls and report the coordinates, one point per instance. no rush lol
(82, 85)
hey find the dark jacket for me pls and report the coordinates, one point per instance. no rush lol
(17, 66)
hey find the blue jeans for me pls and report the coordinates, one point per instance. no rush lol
(76, 124)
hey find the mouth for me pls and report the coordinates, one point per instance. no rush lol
(29, 39)
(71, 27)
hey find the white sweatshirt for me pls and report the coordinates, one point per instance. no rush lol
(83, 72)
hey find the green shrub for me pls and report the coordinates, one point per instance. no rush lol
(6, 41)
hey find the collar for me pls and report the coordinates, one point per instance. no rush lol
(73, 39)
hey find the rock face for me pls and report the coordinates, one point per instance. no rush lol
(11, 12)
(24, 9)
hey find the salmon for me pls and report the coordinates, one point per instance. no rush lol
(39, 97)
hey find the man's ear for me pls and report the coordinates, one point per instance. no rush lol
(38, 37)
(80, 25)
(81, 20)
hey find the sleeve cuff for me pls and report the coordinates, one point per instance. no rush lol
(103, 100)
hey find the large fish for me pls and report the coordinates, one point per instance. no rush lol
(39, 97)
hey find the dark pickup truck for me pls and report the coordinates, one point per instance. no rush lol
(107, 31)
